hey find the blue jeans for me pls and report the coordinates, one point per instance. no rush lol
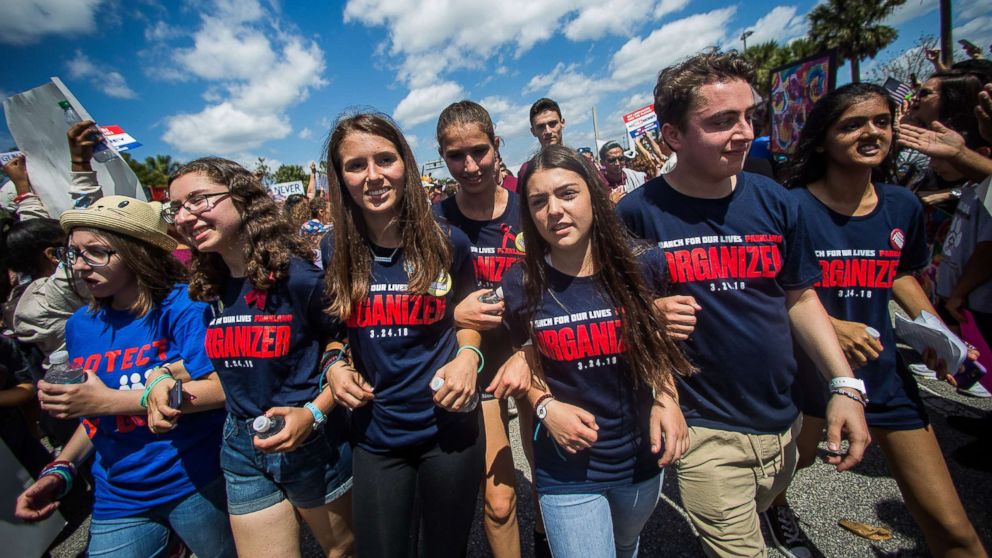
(599, 524)
(199, 519)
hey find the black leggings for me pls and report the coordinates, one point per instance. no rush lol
(443, 477)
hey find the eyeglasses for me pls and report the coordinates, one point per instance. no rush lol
(94, 257)
(924, 93)
(196, 204)
(612, 160)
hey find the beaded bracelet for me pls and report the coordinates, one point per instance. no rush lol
(148, 389)
(474, 349)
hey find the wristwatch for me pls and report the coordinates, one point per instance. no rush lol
(541, 409)
(851, 383)
(319, 418)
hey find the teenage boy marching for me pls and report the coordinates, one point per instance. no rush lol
(741, 266)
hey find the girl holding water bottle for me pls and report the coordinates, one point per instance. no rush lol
(285, 449)
(394, 277)
(489, 215)
(139, 329)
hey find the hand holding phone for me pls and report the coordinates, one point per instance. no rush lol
(176, 395)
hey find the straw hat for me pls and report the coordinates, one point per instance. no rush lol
(124, 215)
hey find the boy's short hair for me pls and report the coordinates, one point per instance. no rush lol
(541, 105)
(678, 85)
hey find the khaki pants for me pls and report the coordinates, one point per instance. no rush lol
(726, 478)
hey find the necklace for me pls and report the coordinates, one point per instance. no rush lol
(384, 259)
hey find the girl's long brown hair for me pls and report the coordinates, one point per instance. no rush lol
(653, 357)
(425, 246)
(155, 270)
(268, 242)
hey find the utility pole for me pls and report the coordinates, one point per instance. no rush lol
(946, 35)
(595, 134)
(744, 37)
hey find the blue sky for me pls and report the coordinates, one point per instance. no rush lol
(250, 78)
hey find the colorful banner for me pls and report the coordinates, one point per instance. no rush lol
(794, 90)
(641, 121)
(119, 139)
(283, 190)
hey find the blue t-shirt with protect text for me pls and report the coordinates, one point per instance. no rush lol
(134, 469)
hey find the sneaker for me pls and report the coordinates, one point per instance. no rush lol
(786, 535)
(921, 371)
(976, 390)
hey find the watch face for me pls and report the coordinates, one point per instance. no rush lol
(542, 412)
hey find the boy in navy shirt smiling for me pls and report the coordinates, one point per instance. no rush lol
(739, 257)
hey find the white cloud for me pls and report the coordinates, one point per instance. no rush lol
(305, 133)
(640, 59)
(161, 31)
(636, 101)
(423, 104)
(256, 72)
(102, 77)
(223, 128)
(911, 10)
(977, 30)
(607, 17)
(25, 22)
(780, 25)
(221, 51)
(666, 7)
(971, 9)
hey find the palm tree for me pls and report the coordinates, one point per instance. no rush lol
(853, 28)
(770, 55)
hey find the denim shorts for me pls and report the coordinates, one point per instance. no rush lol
(316, 473)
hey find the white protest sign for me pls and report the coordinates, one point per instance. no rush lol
(283, 190)
(39, 128)
(640, 121)
(8, 156)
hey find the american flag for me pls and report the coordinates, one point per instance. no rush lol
(898, 90)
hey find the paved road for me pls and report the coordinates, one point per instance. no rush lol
(819, 496)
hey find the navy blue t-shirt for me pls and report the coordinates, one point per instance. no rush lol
(266, 345)
(579, 335)
(494, 249)
(398, 342)
(134, 469)
(860, 258)
(736, 256)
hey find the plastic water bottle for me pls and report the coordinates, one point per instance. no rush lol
(266, 427)
(102, 151)
(61, 372)
(492, 297)
(469, 405)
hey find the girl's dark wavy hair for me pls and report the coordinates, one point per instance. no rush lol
(268, 241)
(425, 245)
(652, 355)
(809, 165)
(23, 243)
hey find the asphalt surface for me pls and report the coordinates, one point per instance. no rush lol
(819, 496)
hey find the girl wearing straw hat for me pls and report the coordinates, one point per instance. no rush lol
(140, 329)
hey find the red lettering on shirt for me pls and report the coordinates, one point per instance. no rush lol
(398, 309)
(724, 262)
(248, 341)
(490, 269)
(858, 272)
(582, 340)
